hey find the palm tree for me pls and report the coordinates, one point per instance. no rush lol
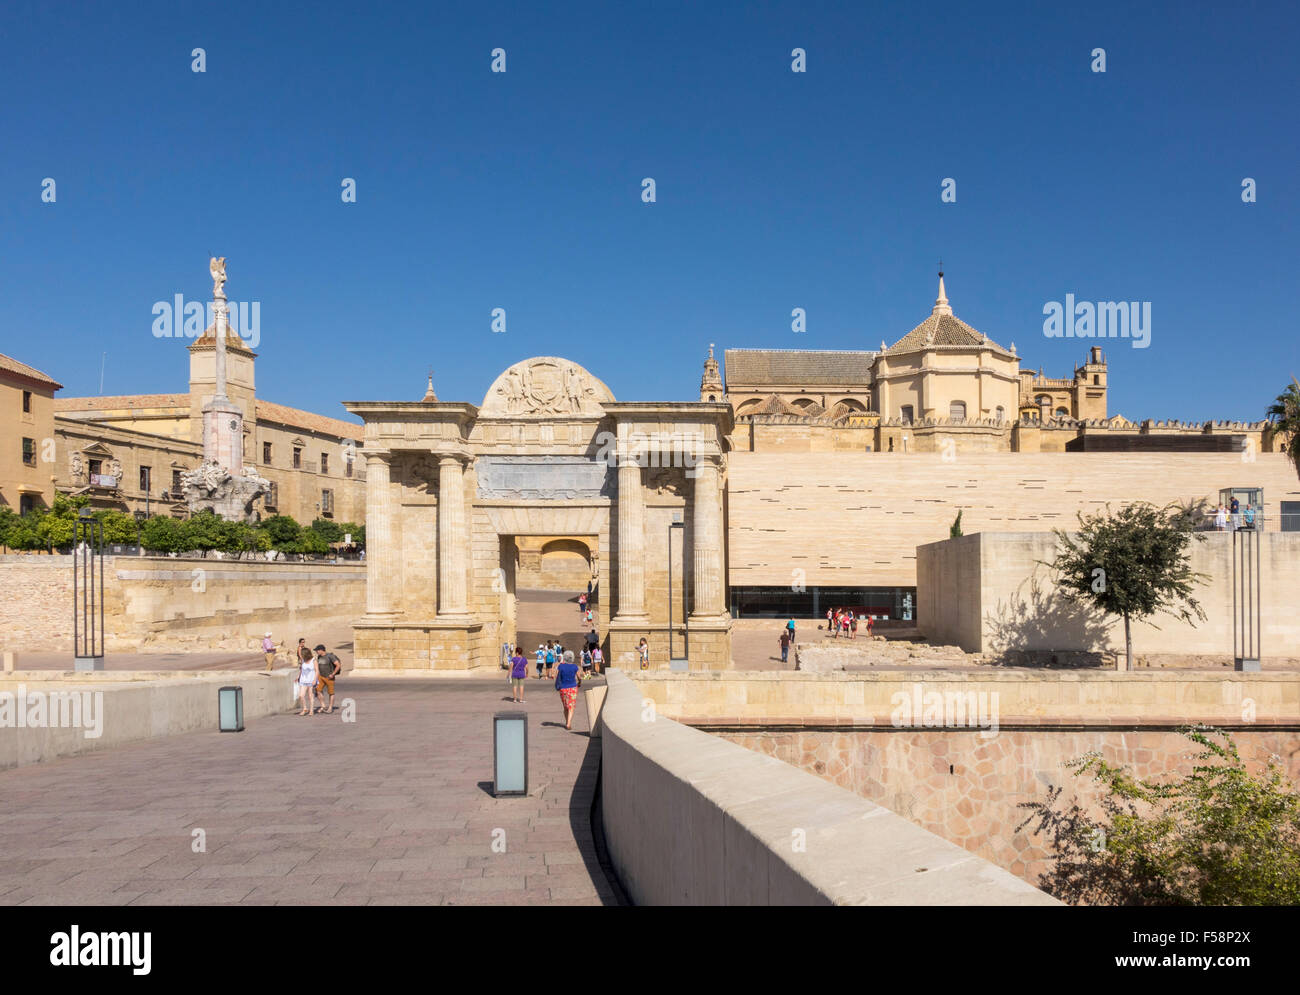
(1284, 413)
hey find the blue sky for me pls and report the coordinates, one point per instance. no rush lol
(522, 190)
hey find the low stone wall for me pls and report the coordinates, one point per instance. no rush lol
(693, 820)
(991, 593)
(82, 713)
(164, 603)
(1038, 699)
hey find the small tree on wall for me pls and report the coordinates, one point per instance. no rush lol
(1284, 413)
(954, 530)
(1133, 564)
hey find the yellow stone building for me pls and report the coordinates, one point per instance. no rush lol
(128, 452)
(27, 455)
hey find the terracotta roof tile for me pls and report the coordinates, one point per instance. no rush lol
(63, 404)
(943, 330)
(10, 365)
(797, 367)
(267, 411)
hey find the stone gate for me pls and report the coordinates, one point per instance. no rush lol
(454, 492)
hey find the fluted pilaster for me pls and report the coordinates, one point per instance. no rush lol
(707, 542)
(383, 551)
(631, 541)
(453, 538)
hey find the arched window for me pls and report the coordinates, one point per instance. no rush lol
(1062, 413)
(957, 410)
(1001, 413)
(906, 414)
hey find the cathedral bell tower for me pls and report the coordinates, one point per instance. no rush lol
(711, 388)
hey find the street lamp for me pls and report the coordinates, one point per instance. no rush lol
(140, 518)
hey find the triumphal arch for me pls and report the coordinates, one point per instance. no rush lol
(457, 494)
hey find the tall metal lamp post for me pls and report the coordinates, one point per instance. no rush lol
(87, 592)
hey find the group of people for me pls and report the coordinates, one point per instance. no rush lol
(1231, 517)
(317, 670)
(844, 622)
(558, 663)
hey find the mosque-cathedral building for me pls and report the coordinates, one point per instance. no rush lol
(942, 384)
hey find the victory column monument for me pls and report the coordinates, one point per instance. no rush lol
(222, 483)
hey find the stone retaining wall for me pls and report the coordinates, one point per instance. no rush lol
(164, 603)
(969, 789)
(691, 819)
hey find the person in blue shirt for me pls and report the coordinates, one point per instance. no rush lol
(566, 682)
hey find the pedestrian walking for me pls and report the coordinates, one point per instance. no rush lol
(567, 680)
(582, 604)
(1221, 519)
(541, 660)
(586, 661)
(550, 659)
(597, 660)
(518, 674)
(790, 625)
(853, 626)
(785, 645)
(268, 647)
(643, 650)
(327, 670)
(307, 682)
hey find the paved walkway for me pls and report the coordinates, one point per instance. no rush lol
(393, 808)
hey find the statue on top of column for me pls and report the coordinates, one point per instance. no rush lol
(217, 267)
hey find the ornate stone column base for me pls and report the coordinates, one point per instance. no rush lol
(435, 644)
(710, 643)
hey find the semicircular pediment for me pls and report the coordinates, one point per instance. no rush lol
(546, 387)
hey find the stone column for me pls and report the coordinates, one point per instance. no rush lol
(383, 554)
(631, 541)
(453, 539)
(706, 541)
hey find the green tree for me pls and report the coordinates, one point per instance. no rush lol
(1284, 413)
(954, 530)
(312, 542)
(56, 530)
(283, 532)
(20, 531)
(118, 527)
(205, 531)
(161, 534)
(1219, 835)
(327, 530)
(1133, 564)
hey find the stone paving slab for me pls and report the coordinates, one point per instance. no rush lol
(394, 808)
